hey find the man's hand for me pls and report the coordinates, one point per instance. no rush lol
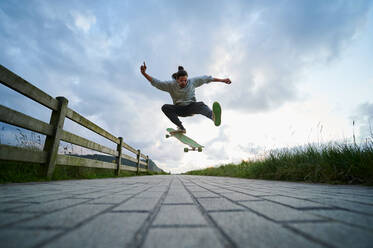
(227, 81)
(143, 72)
(143, 68)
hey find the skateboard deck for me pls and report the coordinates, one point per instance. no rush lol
(184, 139)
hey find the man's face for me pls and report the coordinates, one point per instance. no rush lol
(182, 81)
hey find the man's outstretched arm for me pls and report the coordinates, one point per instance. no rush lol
(198, 81)
(153, 81)
(224, 80)
(143, 72)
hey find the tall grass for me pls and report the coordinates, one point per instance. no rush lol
(330, 163)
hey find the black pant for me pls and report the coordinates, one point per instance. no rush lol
(174, 111)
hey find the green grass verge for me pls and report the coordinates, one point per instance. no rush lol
(15, 172)
(333, 164)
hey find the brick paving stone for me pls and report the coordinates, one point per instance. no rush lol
(123, 191)
(158, 189)
(176, 191)
(293, 202)
(240, 197)
(176, 187)
(127, 192)
(218, 204)
(45, 198)
(182, 237)
(209, 188)
(346, 216)
(249, 230)
(337, 234)
(345, 204)
(86, 194)
(222, 191)
(254, 192)
(111, 199)
(66, 218)
(31, 197)
(304, 194)
(200, 194)
(151, 194)
(173, 191)
(16, 238)
(92, 195)
(131, 191)
(279, 212)
(362, 200)
(107, 230)
(179, 215)
(49, 206)
(195, 188)
(8, 218)
(138, 204)
(227, 188)
(178, 198)
(8, 206)
(7, 199)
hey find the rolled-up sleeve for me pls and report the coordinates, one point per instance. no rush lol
(162, 85)
(198, 81)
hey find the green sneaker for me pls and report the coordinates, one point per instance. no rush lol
(216, 113)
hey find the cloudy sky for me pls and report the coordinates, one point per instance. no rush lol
(301, 70)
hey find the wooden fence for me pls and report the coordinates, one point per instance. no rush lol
(54, 132)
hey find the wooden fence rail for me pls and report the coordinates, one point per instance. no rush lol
(54, 132)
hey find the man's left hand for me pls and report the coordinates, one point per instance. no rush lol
(227, 81)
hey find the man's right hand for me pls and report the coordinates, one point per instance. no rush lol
(143, 68)
(143, 72)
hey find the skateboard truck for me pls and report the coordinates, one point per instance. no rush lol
(199, 149)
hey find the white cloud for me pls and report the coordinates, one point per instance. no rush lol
(363, 119)
(84, 22)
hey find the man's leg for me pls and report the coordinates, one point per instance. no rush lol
(172, 112)
(199, 108)
(203, 109)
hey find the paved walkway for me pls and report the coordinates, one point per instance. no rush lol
(184, 211)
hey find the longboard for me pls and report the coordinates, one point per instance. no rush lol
(184, 139)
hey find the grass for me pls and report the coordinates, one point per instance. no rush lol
(332, 163)
(16, 172)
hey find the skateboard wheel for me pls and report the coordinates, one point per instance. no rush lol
(199, 149)
(186, 149)
(167, 136)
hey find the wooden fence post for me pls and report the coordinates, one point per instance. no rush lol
(119, 149)
(138, 161)
(52, 142)
(147, 163)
